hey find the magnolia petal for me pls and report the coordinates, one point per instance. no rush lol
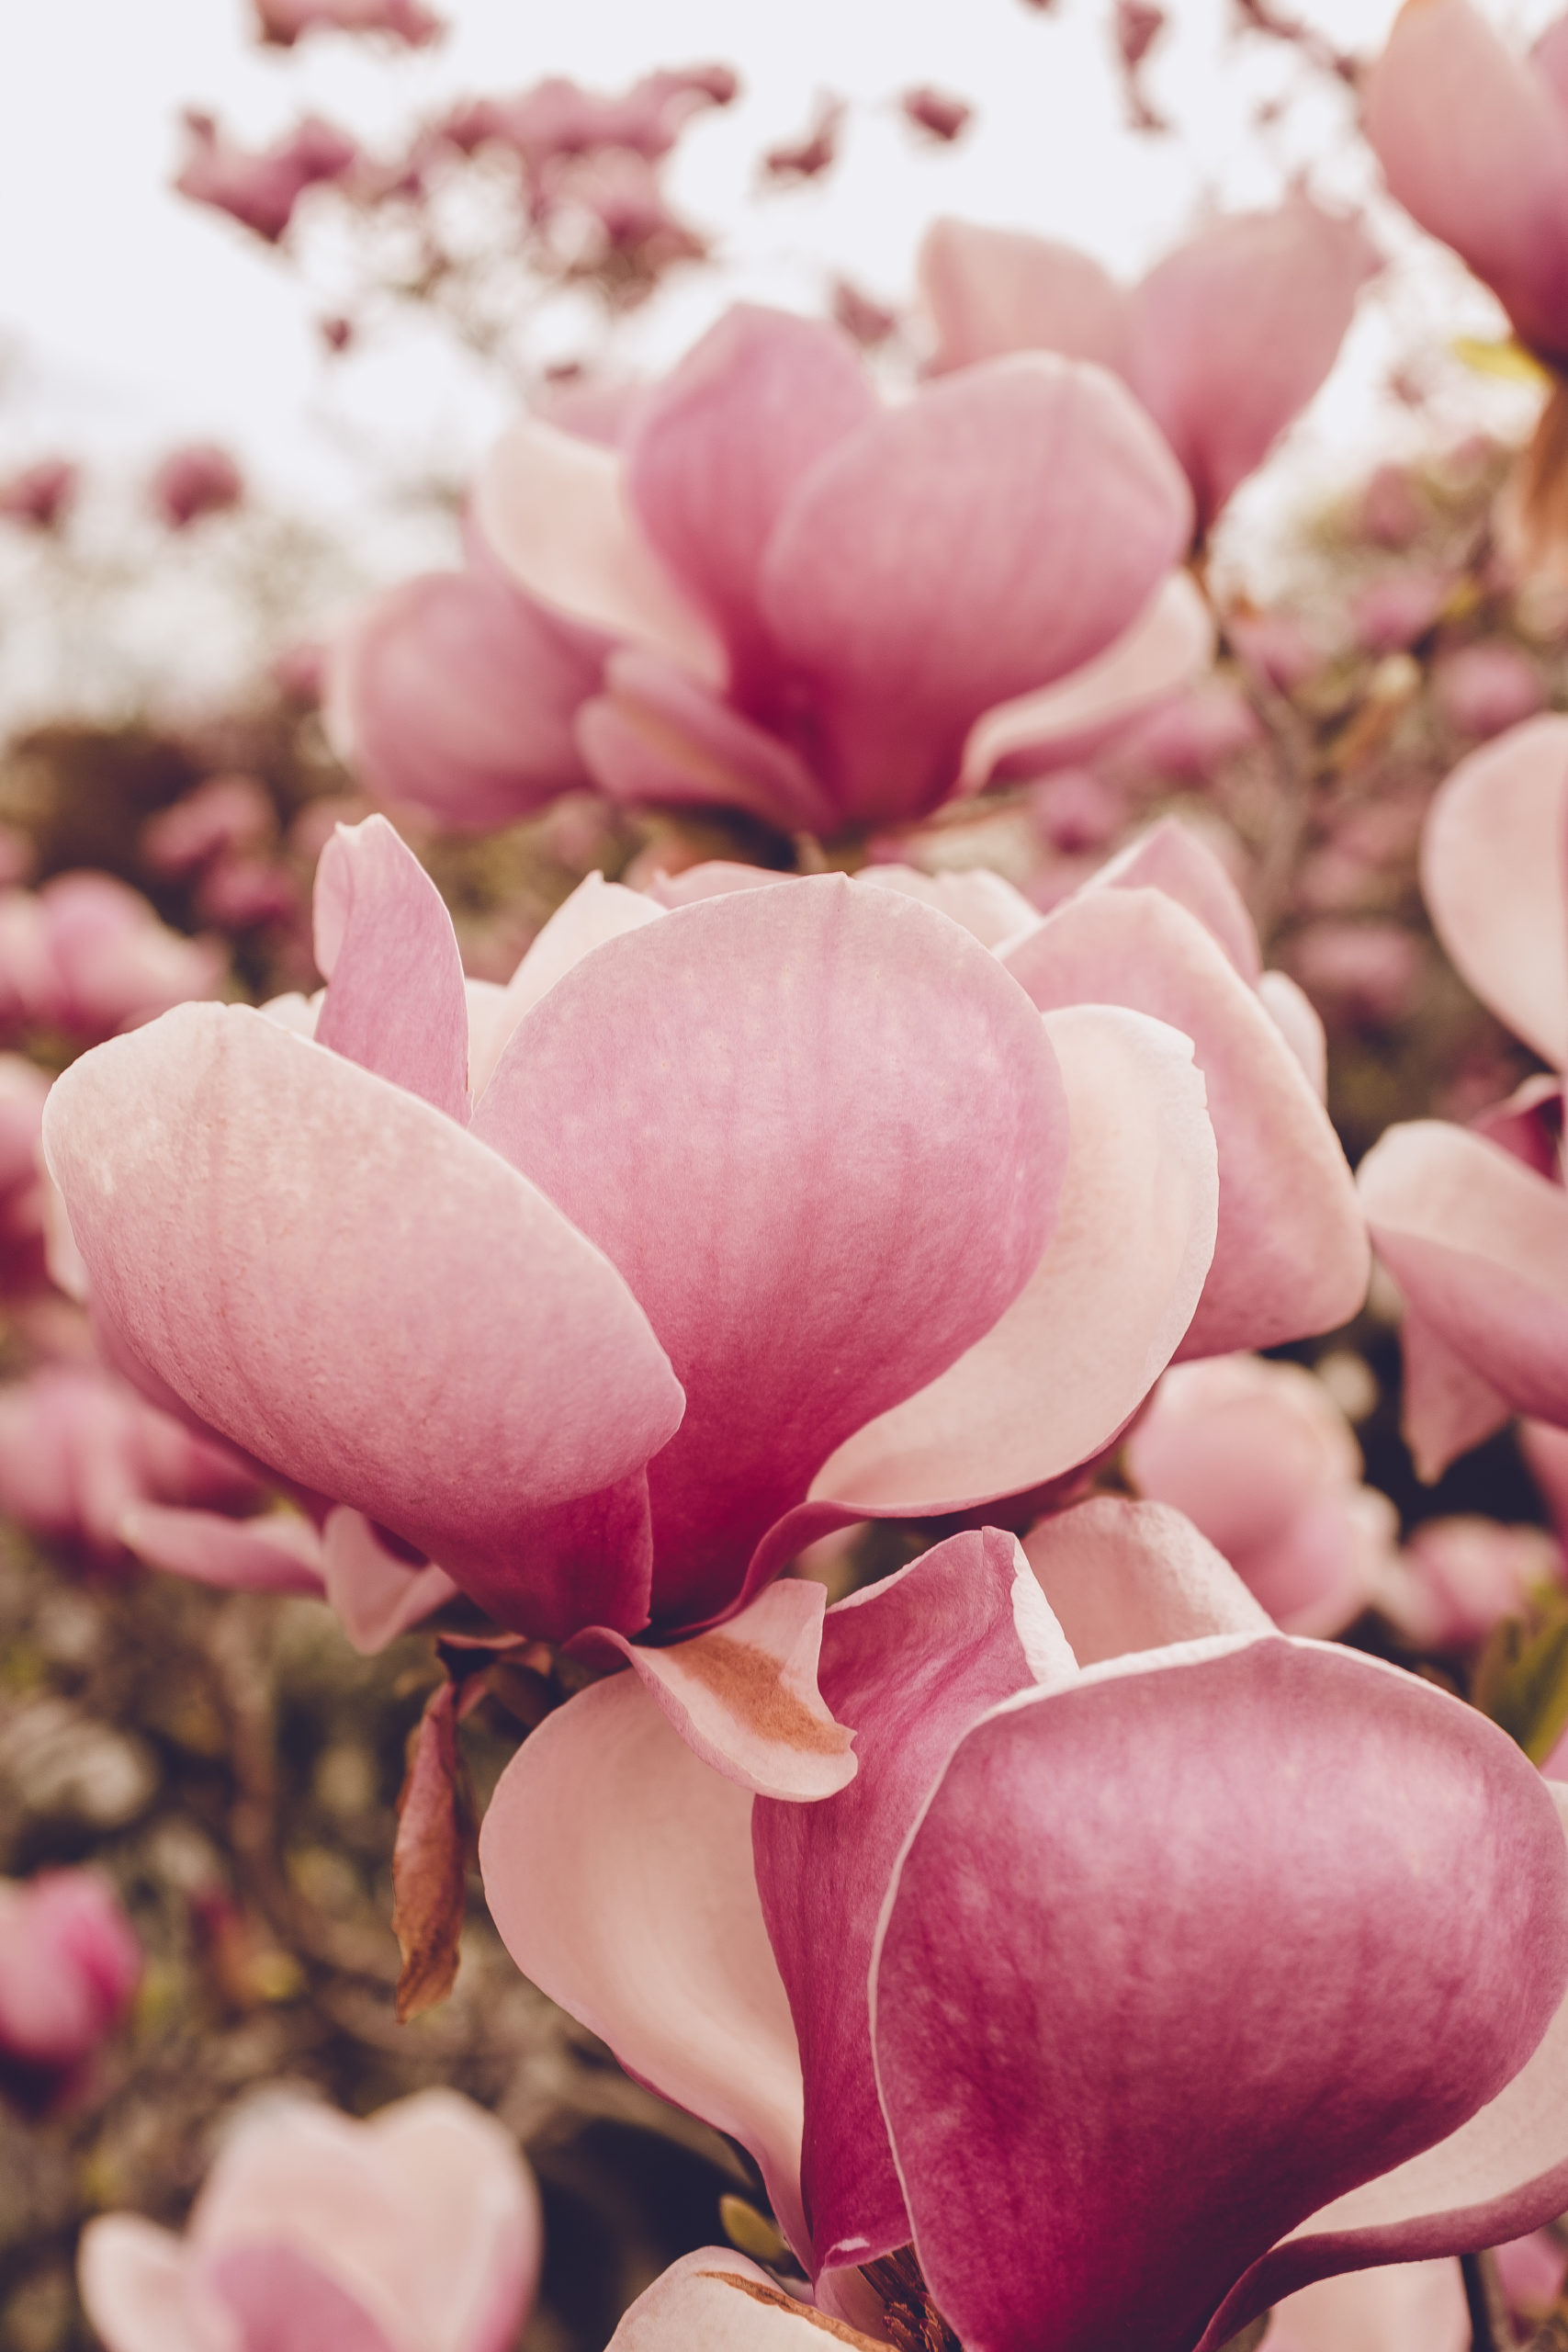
(823, 1141)
(715, 2300)
(718, 448)
(999, 530)
(596, 910)
(1492, 855)
(911, 1662)
(1472, 143)
(140, 2294)
(989, 908)
(1297, 1018)
(1078, 1350)
(263, 1220)
(1478, 1243)
(276, 2292)
(1446, 1407)
(744, 1696)
(1175, 858)
(1407, 2306)
(395, 1001)
(471, 2201)
(1124, 1576)
(552, 509)
(660, 735)
(1170, 643)
(376, 1595)
(617, 1867)
(280, 1552)
(1500, 2174)
(1291, 1255)
(1195, 2108)
(995, 290)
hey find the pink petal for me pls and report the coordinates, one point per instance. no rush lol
(1122, 1577)
(911, 1662)
(552, 509)
(744, 1696)
(1073, 1358)
(716, 877)
(718, 448)
(1291, 1254)
(1472, 143)
(139, 2293)
(280, 1552)
(1175, 858)
(473, 2213)
(715, 2300)
(1491, 872)
(1446, 1407)
(1240, 1445)
(823, 1138)
(1409, 2307)
(1168, 644)
(660, 735)
(1479, 1245)
(596, 910)
(375, 1595)
(1197, 2106)
(285, 2302)
(1296, 1018)
(995, 290)
(395, 1002)
(998, 531)
(989, 908)
(1232, 333)
(617, 1867)
(458, 1386)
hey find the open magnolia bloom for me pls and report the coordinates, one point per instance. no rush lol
(1472, 1222)
(819, 597)
(1224, 341)
(1153, 1966)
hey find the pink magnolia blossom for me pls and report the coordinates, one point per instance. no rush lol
(1462, 1574)
(415, 2231)
(1472, 1223)
(1193, 735)
(1260, 1458)
(1481, 689)
(87, 955)
(1473, 140)
(937, 112)
(224, 813)
(24, 1090)
(282, 22)
(1071, 1989)
(68, 1966)
(41, 495)
(1394, 612)
(557, 116)
(260, 190)
(818, 597)
(198, 479)
(1224, 341)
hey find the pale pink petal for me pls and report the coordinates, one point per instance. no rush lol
(1407, 2306)
(1124, 1577)
(1291, 1255)
(280, 2295)
(717, 449)
(1473, 144)
(1338, 1556)
(995, 290)
(989, 908)
(470, 2205)
(1234, 331)
(1546, 1458)
(1295, 1016)
(716, 877)
(823, 1138)
(1478, 1243)
(1175, 858)
(376, 1595)
(1491, 872)
(744, 1696)
(137, 2288)
(658, 734)
(1250, 1821)
(1170, 643)
(1240, 1445)
(514, 1372)
(1076, 1353)
(278, 1552)
(595, 911)
(552, 509)
(617, 1869)
(395, 1002)
(999, 530)
(1446, 1407)
(715, 2300)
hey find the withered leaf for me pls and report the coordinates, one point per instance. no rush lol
(430, 1859)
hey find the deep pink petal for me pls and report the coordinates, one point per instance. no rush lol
(345, 1282)
(1233, 333)
(999, 530)
(717, 449)
(660, 735)
(1174, 858)
(911, 1662)
(821, 1134)
(617, 1867)
(1473, 144)
(1122, 1577)
(1492, 852)
(1327, 1983)
(1291, 1254)
(395, 1002)
(995, 290)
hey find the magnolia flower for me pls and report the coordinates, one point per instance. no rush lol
(416, 2231)
(1481, 689)
(1224, 341)
(41, 495)
(68, 1965)
(557, 116)
(282, 22)
(818, 597)
(1461, 1574)
(87, 955)
(261, 189)
(1153, 1966)
(1472, 1223)
(201, 479)
(24, 1090)
(1262, 1461)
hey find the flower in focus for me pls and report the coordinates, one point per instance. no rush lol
(69, 1967)
(1344, 2039)
(201, 479)
(415, 2231)
(1224, 341)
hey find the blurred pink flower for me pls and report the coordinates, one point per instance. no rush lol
(69, 1967)
(1357, 974)
(1390, 614)
(224, 813)
(24, 1090)
(1389, 512)
(1464, 1573)
(1273, 645)
(282, 22)
(418, 2229)
(557, 116)
(1191, 736)
(1481, 689)
(41, 495)
(261, 189)
(937, 112)
(87, 955)
(201, 479)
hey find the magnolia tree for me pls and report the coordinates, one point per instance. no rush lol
(797, 1279)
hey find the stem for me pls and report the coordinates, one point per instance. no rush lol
(1491, 2328)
